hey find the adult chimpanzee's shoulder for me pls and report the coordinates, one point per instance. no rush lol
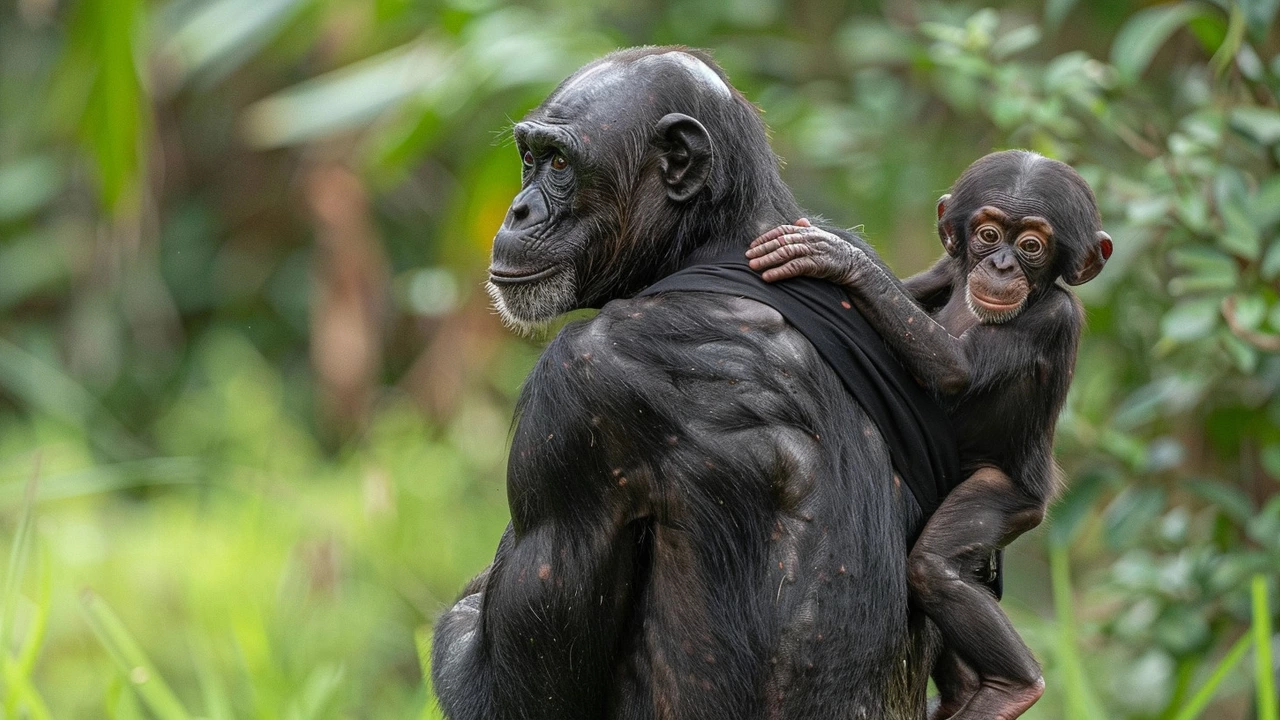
(678, 351)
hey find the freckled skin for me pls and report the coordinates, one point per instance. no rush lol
(698, 530)
(1000, 347)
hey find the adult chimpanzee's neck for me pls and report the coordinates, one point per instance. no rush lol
(736, 229)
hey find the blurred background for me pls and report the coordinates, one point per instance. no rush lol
(254, 405)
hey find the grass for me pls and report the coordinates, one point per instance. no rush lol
(242, 573)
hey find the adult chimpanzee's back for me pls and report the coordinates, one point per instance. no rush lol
(705, 524)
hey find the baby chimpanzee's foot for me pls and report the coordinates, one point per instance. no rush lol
(1000, 700)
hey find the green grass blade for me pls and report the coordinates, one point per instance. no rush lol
(132, 661)
(1264, 669)
(22, 695)
(17, 564)
(1081, 704)
(40, 620)
(1200, 700)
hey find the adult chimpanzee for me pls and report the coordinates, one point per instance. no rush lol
(704, 523)
(1002, 350)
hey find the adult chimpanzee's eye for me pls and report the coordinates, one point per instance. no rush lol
(527, 158)
(559, 162)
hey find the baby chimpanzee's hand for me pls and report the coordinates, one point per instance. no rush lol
(789, 251)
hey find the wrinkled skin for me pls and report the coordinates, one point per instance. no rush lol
(1000, 346)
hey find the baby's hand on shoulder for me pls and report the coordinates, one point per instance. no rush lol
(798, 250)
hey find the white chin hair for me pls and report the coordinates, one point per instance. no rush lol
(987, 317)
(525, 308)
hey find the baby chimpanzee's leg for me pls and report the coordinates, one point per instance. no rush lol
(947, 570)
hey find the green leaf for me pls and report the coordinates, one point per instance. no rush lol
(1131, 513)
(1015, 41)
(225, 33)
(27, 186)
(1264, 205)
(1260, 124)
(346, 98)
(1250, 309)
(1055, 11)
(1204, 269)
(105, 39)
(1191, 320)
(1242, 353)
(1181, 630)
(1222, 58)
(1147, 31)
(1259, 14)
(1071, 510)
(1233, 501)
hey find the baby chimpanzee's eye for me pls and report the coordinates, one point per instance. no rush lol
(1031, 246)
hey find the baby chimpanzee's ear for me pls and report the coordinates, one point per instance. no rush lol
(1091, 264)
(946, 233)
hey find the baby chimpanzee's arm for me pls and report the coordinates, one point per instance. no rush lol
(929, 352)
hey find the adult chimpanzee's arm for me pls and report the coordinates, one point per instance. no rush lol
(929, 352)
(538, 638)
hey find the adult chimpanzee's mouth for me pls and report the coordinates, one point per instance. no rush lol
(502, 276)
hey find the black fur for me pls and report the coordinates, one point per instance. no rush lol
(704, 523)
(1000, 347)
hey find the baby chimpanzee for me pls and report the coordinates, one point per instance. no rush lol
(1000, 348)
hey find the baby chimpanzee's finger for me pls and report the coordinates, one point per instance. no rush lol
(769, 246)
(780, 254)
(793, 268)
(776, 233)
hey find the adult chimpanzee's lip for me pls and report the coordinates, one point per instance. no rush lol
(515, 277)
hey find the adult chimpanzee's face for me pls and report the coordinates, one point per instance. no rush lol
(608, 168)
(1008, 258)
(532, 276)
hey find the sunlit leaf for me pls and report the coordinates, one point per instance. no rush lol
(1261, 124)
(27, 186)
(1015, 41)
(223, 29)
(1147, 31)
(1191, 320)
(106, 33)
(347, 98)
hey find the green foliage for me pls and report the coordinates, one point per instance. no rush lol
(240, 247)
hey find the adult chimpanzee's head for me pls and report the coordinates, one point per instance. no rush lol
(635, 162)
(1017, 221)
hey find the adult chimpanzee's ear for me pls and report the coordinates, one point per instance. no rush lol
(687, 154)
(946, 233)
(1091, 264)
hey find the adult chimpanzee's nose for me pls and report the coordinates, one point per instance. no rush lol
(527, 210)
